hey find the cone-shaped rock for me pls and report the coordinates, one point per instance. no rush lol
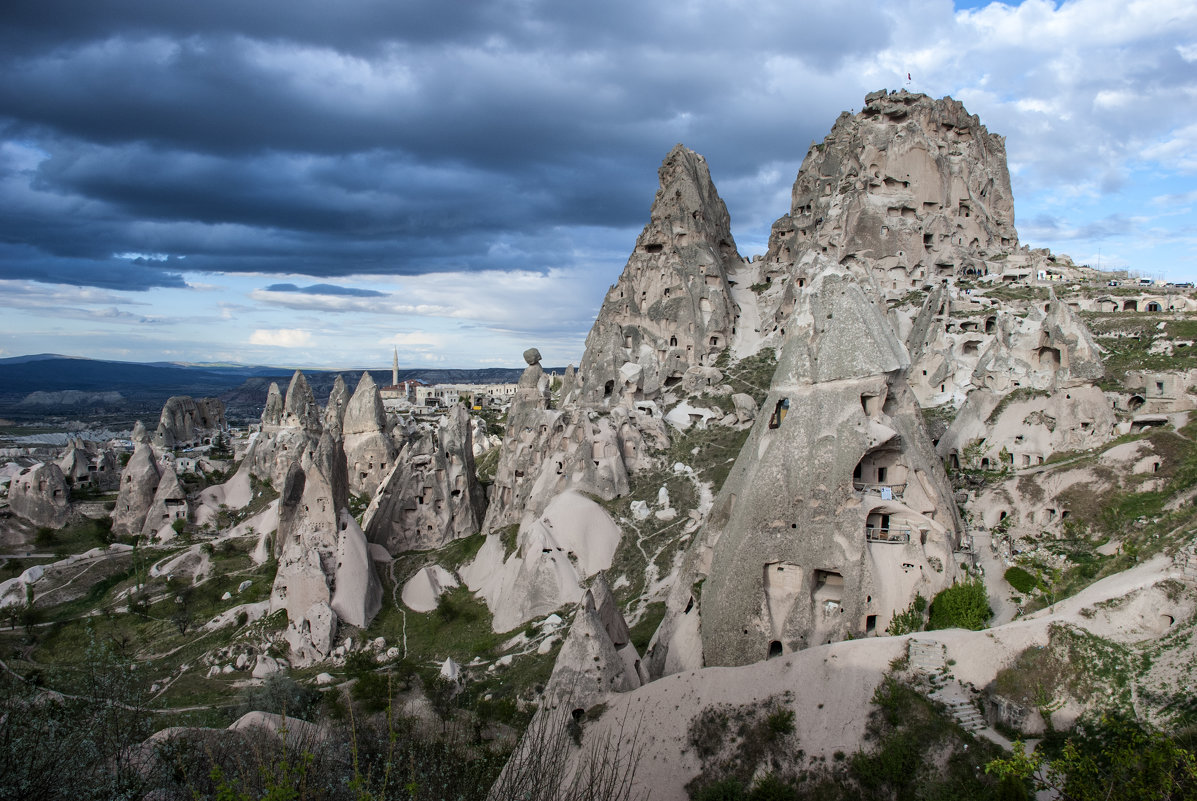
(671, 308)
(837, 511)
(431, 495)
(139, 483)
(169, 504)
(358, 594)
(369, 452)
(272, 414)
(334, 412)
(299, 408)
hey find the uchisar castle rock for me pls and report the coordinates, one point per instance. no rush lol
(760, 475)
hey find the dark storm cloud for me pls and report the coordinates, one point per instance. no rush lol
(405, 138)
(327, 289)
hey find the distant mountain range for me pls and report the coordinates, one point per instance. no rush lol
(74, 383)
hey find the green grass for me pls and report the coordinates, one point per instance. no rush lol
(643, 631)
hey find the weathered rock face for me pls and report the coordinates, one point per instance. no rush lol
(671, 308)
(1032, 392)
(314, 492)
(431, 495)
(40, 495)
(554, 553)
(139, 484)
(551, 451)
(272, 414)
(369, 450)
(169, 504)
(299, 408)
(597, 657)
(186, 421)
(913, 188)
(837, 511)
(334, 412)
(358, 594)
(295, 435)
(85, 463)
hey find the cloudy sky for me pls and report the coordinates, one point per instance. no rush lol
(295, 182)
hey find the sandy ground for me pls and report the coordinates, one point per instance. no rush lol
(831, 686)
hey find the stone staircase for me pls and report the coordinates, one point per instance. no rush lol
(962, 709)
(930, 658)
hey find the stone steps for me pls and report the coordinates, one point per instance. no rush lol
(927, 656)
(962, 710)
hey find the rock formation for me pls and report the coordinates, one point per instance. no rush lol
(291, 431)
(139, 484)
(169, 504)
(186, 421)
(368, 449)
(597, 657)
(40, 495)
(358, 594)
(671, 308)
(431, 495)
(272, 413)
(306, 545)
(1033, 391)
(334, 412)
(913, 188)
(554, 554)
(85, 463)
(299, 408)
(837, 511)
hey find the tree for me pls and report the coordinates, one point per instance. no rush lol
(1116, 760)
(964, 605)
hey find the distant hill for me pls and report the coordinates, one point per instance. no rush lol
(80, 383)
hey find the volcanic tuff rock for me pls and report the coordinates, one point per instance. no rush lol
(914, 188)
(40, 495)
(574, 539)
(597, 657)
(299, 408)
(368, 449)
(431, 495)
(169, 503)
(291, 431)
(837, 511)
(272, 413)
(671, 308)
(358, 594)
(334, 412)
(313, 494)
(86, 463)
(139, 483)
(187, 421)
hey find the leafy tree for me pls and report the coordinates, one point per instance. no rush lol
(964, 605)
(1117, 760)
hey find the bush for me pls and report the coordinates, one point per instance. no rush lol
(964, 606)
(1021, 580)
(910, 620)
(281, 695)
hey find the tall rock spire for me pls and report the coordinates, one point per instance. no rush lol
(671, 308)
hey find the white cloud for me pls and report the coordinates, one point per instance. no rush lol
(281, 337)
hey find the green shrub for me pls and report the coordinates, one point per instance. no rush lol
(1020, 580)
(281, 695)
(964, 606)
(729, 789)
(910, 620)
(770, 788)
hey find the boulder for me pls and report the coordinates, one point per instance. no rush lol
(40, 495)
